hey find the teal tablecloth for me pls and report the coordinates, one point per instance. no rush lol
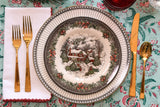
(149, 30)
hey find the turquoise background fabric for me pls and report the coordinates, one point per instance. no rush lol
(149, 30)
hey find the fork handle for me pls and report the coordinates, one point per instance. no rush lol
(17, 82)
(28, 80)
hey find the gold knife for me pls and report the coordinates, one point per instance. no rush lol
(133, 44)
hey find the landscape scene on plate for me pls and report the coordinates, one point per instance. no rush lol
(82, 54)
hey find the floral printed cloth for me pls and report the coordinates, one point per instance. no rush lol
(149, 30)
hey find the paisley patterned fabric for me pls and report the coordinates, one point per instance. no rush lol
(149, 30)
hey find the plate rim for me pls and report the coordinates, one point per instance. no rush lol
(81, 7)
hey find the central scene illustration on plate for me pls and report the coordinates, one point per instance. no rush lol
(82, 55)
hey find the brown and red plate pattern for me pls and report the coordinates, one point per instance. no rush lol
(81, 54)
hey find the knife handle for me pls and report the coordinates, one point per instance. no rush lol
(132, 91)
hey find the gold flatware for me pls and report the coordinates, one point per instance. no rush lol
(27, 37)
(133, 43)
(16, 41)
(145, 53)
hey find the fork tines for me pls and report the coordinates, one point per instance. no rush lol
(16, 33)
(27, 26)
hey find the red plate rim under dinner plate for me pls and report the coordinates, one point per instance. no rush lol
(117, 8)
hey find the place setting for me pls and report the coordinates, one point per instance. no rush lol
(80, 54)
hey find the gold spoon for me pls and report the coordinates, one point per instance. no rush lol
(145, 53)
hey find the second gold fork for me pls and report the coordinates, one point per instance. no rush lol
(27, 37)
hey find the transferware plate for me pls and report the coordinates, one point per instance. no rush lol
(81, 54)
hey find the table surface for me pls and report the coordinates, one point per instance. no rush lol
(149, 30)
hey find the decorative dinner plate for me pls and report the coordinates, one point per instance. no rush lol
(81, 54)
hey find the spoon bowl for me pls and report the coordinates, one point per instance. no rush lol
(145, 50)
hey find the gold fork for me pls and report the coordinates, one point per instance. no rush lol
(16, 40)
(27, 37)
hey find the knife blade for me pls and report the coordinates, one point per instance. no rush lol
(133, 44)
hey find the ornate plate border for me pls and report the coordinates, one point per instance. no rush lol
(38, 60)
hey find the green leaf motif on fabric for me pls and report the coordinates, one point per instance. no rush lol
(144, 100)
(153, 87)
(1, 56)
(149, 30)
(156, 51)
(142, 33)
(133, 14)
(152, 24)
(147, 81)
(150, 94)
(145, 18)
